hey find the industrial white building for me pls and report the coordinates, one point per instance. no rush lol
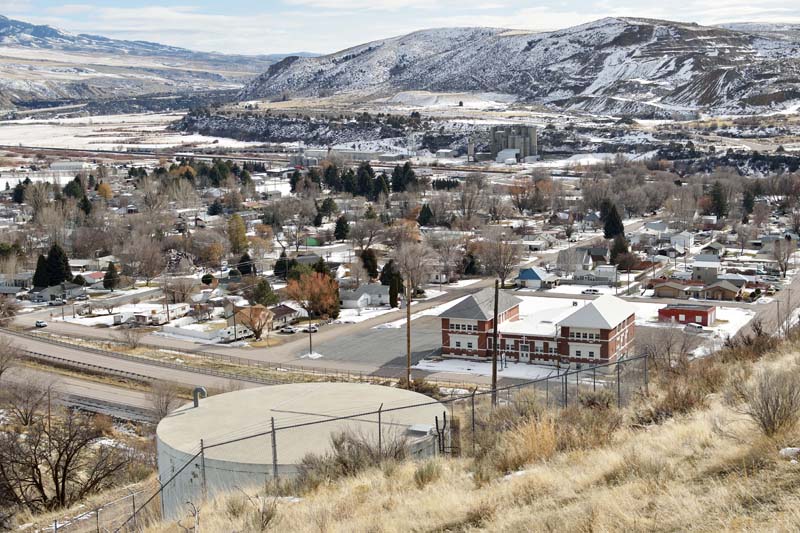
(249, 461)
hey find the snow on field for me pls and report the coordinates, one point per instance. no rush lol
(116, 132)
(312, 355)
(460, 284)
(460, 366)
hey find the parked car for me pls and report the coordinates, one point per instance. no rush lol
(81, 298)
(693, 328)
(311, 328)
(288, 330)
(40, 324)
(54, 303)
(590, 291)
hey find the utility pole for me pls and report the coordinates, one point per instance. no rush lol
(409, 290)
(494, 343)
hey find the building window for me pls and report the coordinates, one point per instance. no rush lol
(469, 345)
(682, 318)
(577, 353)
(698, 319)
(585, 336)
(591, 354)
(458, 344)
(524, 348)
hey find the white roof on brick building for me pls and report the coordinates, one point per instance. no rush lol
(605, 312)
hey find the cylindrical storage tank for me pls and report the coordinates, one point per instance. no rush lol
(237, 449)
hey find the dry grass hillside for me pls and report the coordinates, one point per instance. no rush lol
(701, 452)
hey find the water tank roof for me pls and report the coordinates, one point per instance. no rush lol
(243, 413)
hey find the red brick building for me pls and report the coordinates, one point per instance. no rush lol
(705, 315)
(583, 332)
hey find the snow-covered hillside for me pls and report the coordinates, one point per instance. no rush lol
(614, 65)
(44, 64)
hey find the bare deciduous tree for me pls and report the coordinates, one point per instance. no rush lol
(52, 465)
(130, 337)
(366, 233)
(450, 252)
(179, 290)
(163, 398)
(782, 252)
(414, 261)
(25, 399)
(9, 307)
(499, 255)
(9, 354)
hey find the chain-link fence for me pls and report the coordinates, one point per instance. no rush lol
(451, 430)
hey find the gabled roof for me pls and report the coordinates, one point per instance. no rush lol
(726, 285)
(606, 312)
(480, 306)
(535, 274)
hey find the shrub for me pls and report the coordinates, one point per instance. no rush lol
(351, 454)
(427, 473)
(771, 398)
(533, 441)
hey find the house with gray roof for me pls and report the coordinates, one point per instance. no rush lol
(369, 295)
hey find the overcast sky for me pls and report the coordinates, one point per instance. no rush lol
(280, 26)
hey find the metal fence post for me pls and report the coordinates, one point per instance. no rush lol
(646, 384)
(203, 466)
(619, 387)
(97, 519)
(472, 399)
(55, 525)
(380, 432)
(594, 379)
(133, 500)
(274, 451)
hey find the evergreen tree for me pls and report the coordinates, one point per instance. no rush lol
(317, 219)
(282, 266)
(349, 181)
(398, 183)
(18, 196)
(379, 187)
(294, 179)
(321, 267)
(719, 202)
(111, 279)
(215, 208)
(618, 248)
(342, 229)
(386, 272)
(364, 178)
(207, 279)
(246, 265)
(40, 277)
(297, 270)
(613, 224)
(748, 201)
(73, 189)
(58, 270)
(331, 178)
(79, 280)
(370, 262)
(370, 214)
(605, 208)
(425, 216)
(85, 205)
(263, 294)
(328, 207)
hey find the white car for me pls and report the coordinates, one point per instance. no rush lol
(693, 328)
(310, 329)
(40, 324)
(590, 291)
(288, 330)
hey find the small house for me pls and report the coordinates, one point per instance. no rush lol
(369, 295)
(704, 315)
(536, 278)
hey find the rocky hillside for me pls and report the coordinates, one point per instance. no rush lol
(615, 65)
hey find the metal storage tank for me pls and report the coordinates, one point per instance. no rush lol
(248, 461)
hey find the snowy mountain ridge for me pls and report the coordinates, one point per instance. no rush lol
(621, 66)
